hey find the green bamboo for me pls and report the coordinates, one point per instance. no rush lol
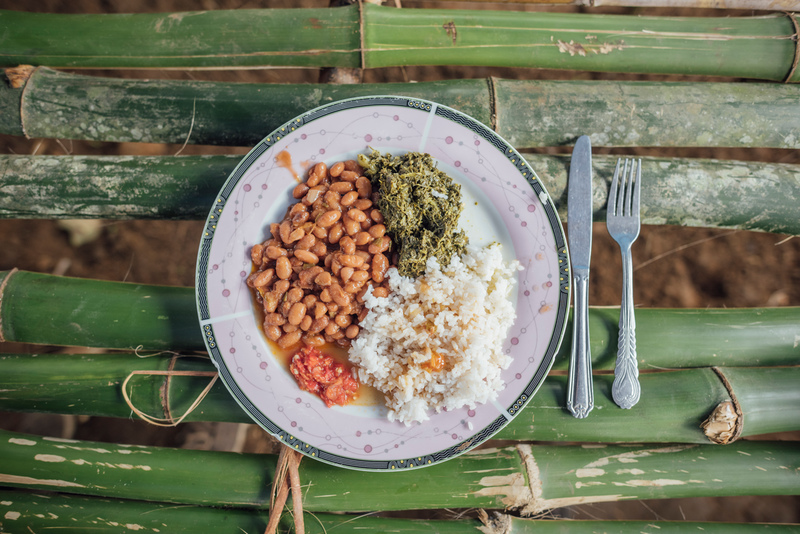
(774, 5)
(689, 192)
(672, 408)
(40, 513)
(192, 39)
(377, 36)
(528, 113)
(531, 478)
(46, 309)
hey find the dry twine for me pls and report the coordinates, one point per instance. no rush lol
(287, 473)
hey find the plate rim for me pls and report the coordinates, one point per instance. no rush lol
(503, 419)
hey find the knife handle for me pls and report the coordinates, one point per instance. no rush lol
(580, 394)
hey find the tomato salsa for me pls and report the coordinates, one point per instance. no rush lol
(320, 374)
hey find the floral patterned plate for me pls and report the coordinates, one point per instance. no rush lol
(504, 201)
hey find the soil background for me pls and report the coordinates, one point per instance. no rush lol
(675, 266)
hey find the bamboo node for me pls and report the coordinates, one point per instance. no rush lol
(499, 524)
(726, 422)
(11, 273)
(795, 36)
(720, 427)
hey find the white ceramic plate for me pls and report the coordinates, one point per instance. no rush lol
(504, 201)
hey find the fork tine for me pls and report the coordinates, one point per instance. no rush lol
(622, 202)
(612, 194)
(629, 184)
(637, 190)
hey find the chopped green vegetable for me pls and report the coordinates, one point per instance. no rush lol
(420, 205)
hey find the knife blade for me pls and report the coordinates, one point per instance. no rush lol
(580, 395)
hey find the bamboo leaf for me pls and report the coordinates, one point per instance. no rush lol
(711, 193)
(531, 478)
(528, 113)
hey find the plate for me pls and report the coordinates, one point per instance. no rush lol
(504, 202)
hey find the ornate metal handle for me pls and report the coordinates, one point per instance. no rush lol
(626, 390)
(580, 395)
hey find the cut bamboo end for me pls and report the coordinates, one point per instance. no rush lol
(18, 76)
(722, 425)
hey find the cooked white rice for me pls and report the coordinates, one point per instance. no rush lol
(463, 312)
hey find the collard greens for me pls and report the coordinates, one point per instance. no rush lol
(421, 206)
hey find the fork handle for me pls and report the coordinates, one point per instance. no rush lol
(580, 394)
(626, 390)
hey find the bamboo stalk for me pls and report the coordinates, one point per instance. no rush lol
(530, 478)
(373, 36)
(49, 309)
(768, 5)
(192, 39)
(37, 513)
(53, 310)
(529, 113)
(673, 406)
(691, 192)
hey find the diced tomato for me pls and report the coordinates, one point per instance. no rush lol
(323, 376)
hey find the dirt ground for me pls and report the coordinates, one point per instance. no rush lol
(675, 267)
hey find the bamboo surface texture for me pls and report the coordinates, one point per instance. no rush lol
(527, 113)
(680, 191)
(672, 408)
(530, 478)
(373, 36)
(36, 511)
(54, 310)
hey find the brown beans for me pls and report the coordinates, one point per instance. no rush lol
(283, 268)
(351, 227)
(256, 253)
(273, 332)
(264, 278)
(296, 313)
(362, 238)
(364, 187)
(336, 169)
(351, 260)
(306, 242)
(378, 230)
(323, 279)
(327, 219)
(352, 331)
(306, 256)
(376, 216)
(357, 215)
(274, 252)
(380, 264)
(322, 258)
(288, 340)
(300, 190)
(380, 291)
(335, 234)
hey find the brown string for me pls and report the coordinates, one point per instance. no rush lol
(287, 476)
(795, 38)
(168, 420)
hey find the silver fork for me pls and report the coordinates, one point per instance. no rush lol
(623, 224)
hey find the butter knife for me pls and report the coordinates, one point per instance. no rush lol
(580, 395)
